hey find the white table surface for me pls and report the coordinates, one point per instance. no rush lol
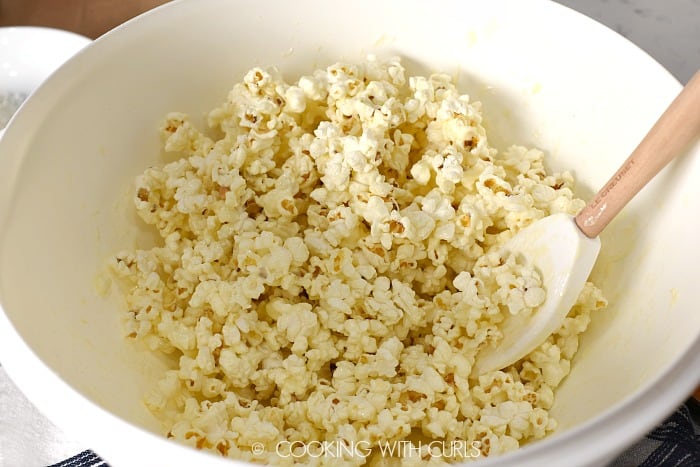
(669, 30)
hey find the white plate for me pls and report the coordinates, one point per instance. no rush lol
(28, 55)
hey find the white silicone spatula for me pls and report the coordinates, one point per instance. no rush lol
(564, 248)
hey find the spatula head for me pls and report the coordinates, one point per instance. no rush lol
(564, 257)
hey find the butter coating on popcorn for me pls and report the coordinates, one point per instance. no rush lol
(331, 263)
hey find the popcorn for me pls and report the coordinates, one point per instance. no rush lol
(331, 266)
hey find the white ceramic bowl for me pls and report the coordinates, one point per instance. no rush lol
(547, 76)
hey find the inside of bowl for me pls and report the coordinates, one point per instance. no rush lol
(83, 137)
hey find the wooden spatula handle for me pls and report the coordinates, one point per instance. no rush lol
(673, 132)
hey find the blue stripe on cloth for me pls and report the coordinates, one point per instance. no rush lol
(84, 459)
(674, 443)
(680, 446)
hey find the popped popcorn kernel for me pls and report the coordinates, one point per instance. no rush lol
(331, 264)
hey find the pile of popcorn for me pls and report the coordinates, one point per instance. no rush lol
(331, 264)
